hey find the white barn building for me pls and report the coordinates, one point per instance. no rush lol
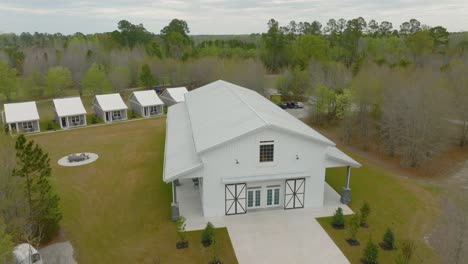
(146, 103)
(21, 117)
(110, 107)
(172, 96)
(69, 112)
(245, 153)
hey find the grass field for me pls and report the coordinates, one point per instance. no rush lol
(117, 209)
(400, 203)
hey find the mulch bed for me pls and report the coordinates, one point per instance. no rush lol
(338, 227)
(365, 262)
(206, 243)
(385, 247)
(364, 225)
(182, 245)
(353, 242)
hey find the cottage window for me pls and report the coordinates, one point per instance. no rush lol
(267, 151)
(154, 110)
(75, 119)
(116, 115)
(27, 125)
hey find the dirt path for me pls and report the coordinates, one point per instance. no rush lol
(450, 237)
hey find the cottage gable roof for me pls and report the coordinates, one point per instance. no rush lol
(69, 106)
(20, 112)
(176, 94)
(147, 98)
(110, 102)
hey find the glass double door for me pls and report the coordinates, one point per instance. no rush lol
(263, 197)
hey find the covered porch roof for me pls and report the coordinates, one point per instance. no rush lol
(337, 158)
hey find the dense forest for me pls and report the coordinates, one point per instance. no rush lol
(401, 89)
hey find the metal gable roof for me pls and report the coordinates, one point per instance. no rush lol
(177, 94)
(179, 154)
(147, 98)
(110, 102)
(222, 111)
(69, 106)
(20, 112)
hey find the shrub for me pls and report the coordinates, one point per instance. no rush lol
(365, 211)
(354, 226)
(94, 120)
(133, 114)
(370, 253)
(181, 228)
(208, 234)
(338, 218)
(50, 126)
(407, 250)
(389, 239)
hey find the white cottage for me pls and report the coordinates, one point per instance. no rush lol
(146, 103)
(110, 107)
(172, 96)
(69, 112)
(21, 117)
(245, 153)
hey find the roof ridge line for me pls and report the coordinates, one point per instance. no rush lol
(248, 105)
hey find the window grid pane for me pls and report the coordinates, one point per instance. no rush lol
(277, 196)
(250, 198)
(269, 196)
(257, 198)
(266, 153)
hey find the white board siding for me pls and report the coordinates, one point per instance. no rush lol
(140, 110)
(220, 163)
(136, 107)
(102, 114)
(19, 127)
(69, 123)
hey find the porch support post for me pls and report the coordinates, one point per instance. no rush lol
(174, 206)
(346, 192)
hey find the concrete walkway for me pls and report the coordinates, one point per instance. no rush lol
(271, 236)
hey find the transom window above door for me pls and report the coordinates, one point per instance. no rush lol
(267, 151)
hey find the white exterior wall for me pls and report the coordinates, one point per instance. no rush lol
(220, 163)
(98, 111)
(69, 123)
(136, 107)
(19, 127)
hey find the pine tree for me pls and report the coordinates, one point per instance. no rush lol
(146, 77)
(33, 165)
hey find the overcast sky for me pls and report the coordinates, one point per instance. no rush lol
(218, 16)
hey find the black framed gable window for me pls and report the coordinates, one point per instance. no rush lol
(267, 149)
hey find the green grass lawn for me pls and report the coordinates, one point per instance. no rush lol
(396, 202)
(117, 209)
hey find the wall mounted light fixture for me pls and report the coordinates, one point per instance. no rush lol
(237, 161)
(297, 157)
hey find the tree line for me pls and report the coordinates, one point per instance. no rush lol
(360, 73)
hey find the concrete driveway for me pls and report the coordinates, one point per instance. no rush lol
(291, 236)
(271, 236)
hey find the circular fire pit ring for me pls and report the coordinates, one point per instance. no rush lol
(78, 159)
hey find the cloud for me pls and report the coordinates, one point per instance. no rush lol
(218, 16)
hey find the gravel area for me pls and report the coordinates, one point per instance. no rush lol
(58, 253)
